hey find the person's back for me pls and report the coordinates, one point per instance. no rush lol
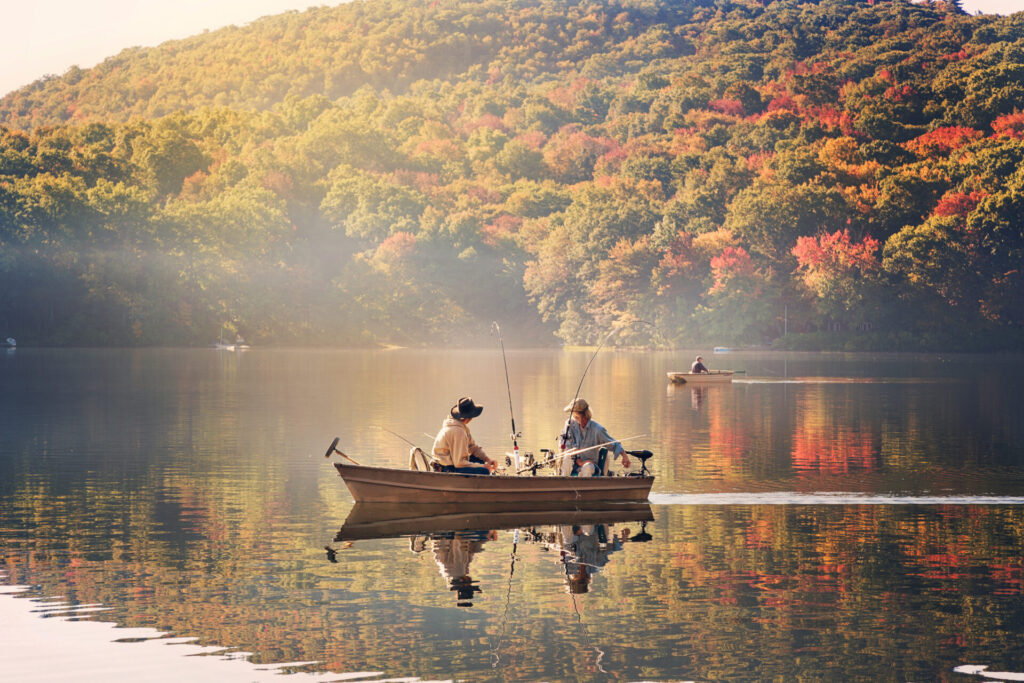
(454, 448)
(698, 366)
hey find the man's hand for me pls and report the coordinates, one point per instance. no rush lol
(625, 459)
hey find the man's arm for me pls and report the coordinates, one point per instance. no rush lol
(617, 448)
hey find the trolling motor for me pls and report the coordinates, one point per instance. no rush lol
(643, 536)
(643, 457)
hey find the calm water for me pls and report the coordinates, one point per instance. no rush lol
(824, 518)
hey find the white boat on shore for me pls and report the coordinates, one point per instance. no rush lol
(713, 377)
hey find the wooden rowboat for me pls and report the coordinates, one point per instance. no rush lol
(387, 485)
(713, 377)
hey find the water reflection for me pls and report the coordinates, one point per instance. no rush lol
(453, 553)
(797, 525)
(582, 539)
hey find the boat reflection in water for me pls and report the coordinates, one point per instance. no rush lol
(583, 538)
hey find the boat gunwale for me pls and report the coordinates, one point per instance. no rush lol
(470, 482)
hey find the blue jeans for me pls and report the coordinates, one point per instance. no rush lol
(465, 470)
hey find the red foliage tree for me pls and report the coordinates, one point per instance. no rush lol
(942, 141)
(727, 106)
(733, 265)
(958, 203)
(835, 269)
(1009, 125)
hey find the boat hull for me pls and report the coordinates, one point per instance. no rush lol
(385, 485)
(714, 377)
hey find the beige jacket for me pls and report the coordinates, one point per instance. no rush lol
(454, 444)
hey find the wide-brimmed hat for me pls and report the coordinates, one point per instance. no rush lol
(579, 582)
(464, 589)
(466, 409)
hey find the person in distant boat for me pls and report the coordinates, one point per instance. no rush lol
(698, 366)
(582, 432)
(454, 448)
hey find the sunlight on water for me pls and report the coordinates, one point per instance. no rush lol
(64, 648)
(791, 498)
(164, 503)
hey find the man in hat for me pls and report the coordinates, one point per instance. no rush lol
(454, 447)
(588, 437)
(698, 366)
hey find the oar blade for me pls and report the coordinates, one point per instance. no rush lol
(333, 447)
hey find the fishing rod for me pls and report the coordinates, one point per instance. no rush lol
(599, 347)
(508, 386)
(385, 429)
(576, 451)
(565, 434)
(425, 460)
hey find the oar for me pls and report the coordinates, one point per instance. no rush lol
(333, 448)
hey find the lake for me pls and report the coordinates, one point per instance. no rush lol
(824, 517)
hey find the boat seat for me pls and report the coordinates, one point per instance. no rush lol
(602, 465)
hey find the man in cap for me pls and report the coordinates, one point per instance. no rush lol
(586, 436)
(454, 447)
(698, 366)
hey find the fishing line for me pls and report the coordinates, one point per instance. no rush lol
(496, 650)
(583, 626)
(385, 429)
(565, 434)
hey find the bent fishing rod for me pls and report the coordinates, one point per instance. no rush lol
(508, 386)
(576, 451)
(579, 386)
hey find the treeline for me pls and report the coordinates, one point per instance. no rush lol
(805, 173)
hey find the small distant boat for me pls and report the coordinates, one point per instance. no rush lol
(238, 345)
(10, 343)
(713, 377)
(721, 349)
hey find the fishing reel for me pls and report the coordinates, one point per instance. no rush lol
(526, 461)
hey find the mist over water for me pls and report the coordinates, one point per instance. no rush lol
(831, 517)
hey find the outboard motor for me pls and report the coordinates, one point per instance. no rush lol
(643, 457)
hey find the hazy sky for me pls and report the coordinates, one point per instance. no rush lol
(39, 37)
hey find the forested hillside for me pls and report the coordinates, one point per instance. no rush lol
(811, 174)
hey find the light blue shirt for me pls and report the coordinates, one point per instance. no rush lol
(592, 435)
